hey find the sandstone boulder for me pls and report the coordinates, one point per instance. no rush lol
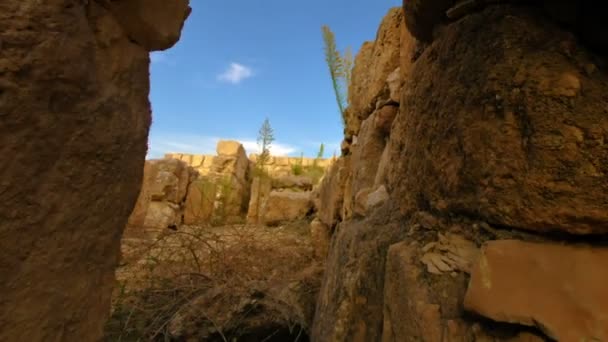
(292, 182)
(331, 192)
(284, 206)
(422, 16)
(349, 305)
(505, 130)
(373, 64)
(395, 82)
(260, 189)
(383, 118)
(557, 288)
(382, 172)
(230, 148)
(320, 235)
(74, 120)
(366, 155)
(170, 180)
(200, 201)
(153, 24)
(160, 216)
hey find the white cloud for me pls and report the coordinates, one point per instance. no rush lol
(194, 144)
(276, 149)
(235, 73)
(157, 57)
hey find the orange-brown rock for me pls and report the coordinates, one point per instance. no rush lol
(260, 189)
(373, 64)
(153, 24)
(558, 288)
(511, 130)
(74, 120)
(383, 118)
(200, 201)
(366, 154)
(320, 236)
(284, 206)
(422, 16)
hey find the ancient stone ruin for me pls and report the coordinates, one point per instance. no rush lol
(221, 189)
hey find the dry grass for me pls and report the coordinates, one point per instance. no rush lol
(161, 277)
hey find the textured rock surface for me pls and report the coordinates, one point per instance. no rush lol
(160, 202)
(320, 236)
(349, 306)
(200, 201)
(260, 189)
(331, 192)
(153, 24)
(410, 310)
(283, 206)
(366, 155)
(522, 144)
(74, 120)
(373, 64)
(560, 289)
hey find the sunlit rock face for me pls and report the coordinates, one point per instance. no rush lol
(493, 218)
(75, 115)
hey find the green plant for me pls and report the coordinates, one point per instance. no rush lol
(297, 169)
(340, 69)
(265, 139)
(319, 154)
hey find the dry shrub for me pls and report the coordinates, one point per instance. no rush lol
(222, 264)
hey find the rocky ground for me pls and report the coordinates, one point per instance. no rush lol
(201, 283)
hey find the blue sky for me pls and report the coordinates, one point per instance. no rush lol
(240, 61)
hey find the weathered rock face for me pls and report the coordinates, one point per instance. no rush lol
(499, 133)
(366, 154)
(75, 118)
(200, 201)
(522, 131)
(320, 236)
(283, 206)
(374, 63)
(331, 192)
(349, 306)
(160, 202)
(559, 289)
(260, 189)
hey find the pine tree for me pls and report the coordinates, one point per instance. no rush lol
(265, 139)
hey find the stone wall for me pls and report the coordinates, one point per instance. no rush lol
(473, 179)
(220, 189)
(277, 166)
(74, 120)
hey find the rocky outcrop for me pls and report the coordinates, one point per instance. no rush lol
(74, 124)
(285, 206)
(330, 193)
(160, 202)
(260, 189)
(497, 134)
(521, 143)
(373, 64)
(556, 288)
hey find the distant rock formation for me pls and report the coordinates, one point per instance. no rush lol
(221, 189)
(74, 120)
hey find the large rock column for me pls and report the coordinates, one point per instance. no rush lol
(74, 120)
